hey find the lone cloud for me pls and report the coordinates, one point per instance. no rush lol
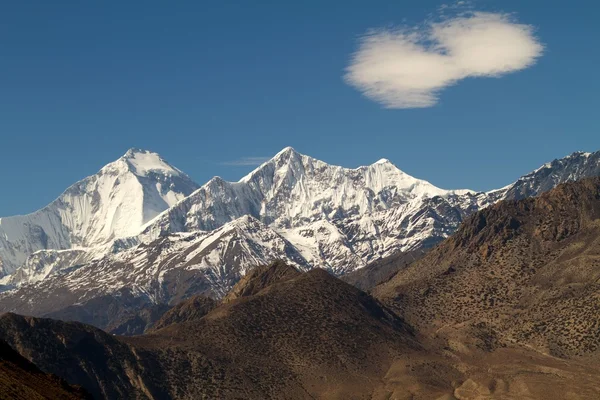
(409, 67)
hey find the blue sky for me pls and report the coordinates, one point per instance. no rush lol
(206, 83)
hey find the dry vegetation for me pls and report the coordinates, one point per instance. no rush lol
(523, 272)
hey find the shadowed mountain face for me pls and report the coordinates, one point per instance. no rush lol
(82, 355)
(122, 314)
(22, 380)
(287, 335)
(518, 272)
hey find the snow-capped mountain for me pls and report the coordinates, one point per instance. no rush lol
(337, 217)
(549, 175)
(293, 207)
(293, 189)
(166, 270)
(114, 203)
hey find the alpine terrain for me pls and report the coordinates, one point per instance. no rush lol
(95, 212)
(505, 308)
(120, 247)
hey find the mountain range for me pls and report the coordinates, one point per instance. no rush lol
(505, 308)
(140, 236)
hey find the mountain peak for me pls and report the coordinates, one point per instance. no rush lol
(135, 150)
(576, 156)
(286, 156)
(260, 278)
(285, 151)
(383, 161)
(570, 168)
(579, 154)
(111, 204)
(288, 153)
(143, 162)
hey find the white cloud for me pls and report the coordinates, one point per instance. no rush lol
(247, 161)
(409, 67)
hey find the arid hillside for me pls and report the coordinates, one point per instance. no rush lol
(522, 272)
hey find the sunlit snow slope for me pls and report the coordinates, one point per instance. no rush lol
(114, 203)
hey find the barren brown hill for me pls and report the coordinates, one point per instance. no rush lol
(303, 336)
(524, 272)
(22, 380)
(312, 336)
(253, 282)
